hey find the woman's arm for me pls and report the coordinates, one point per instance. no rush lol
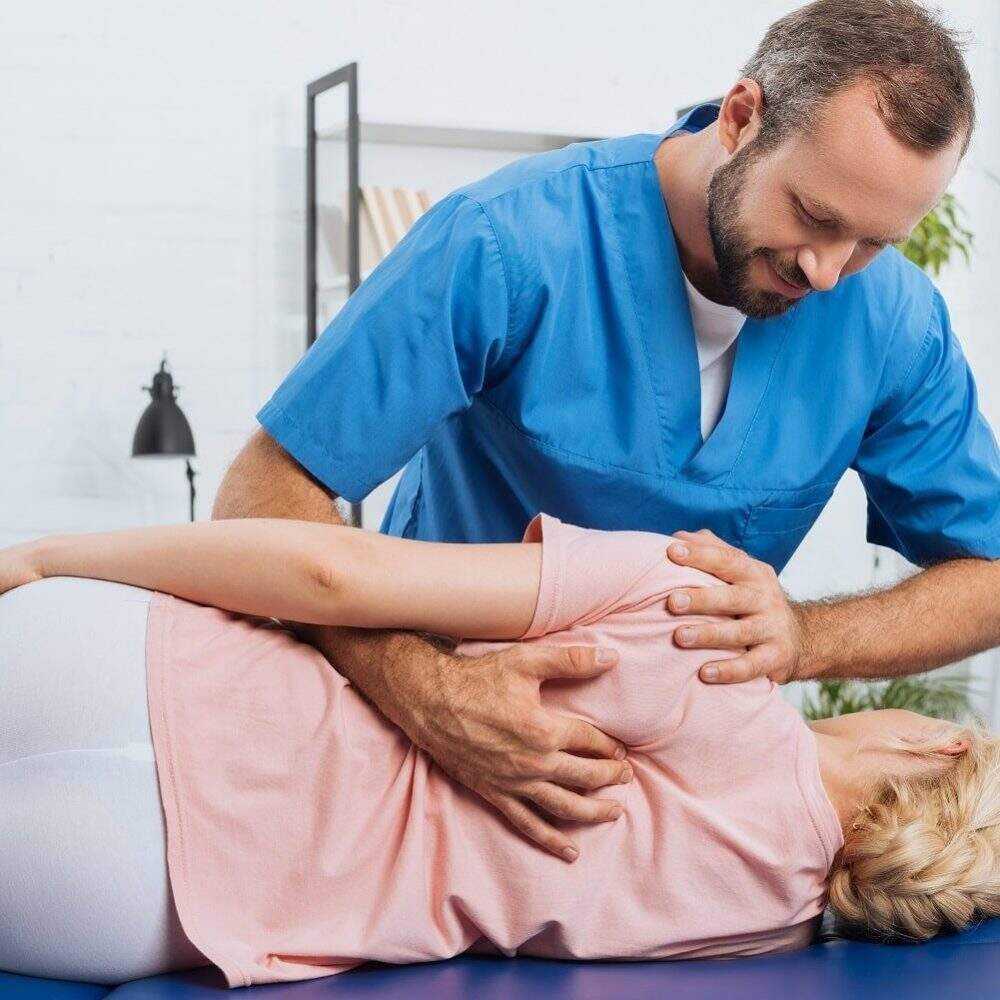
(313, 573)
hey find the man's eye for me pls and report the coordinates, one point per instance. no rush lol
(811, 220)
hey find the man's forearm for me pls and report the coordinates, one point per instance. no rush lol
(935, 617)
(380, 662)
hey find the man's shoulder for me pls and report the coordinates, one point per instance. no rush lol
(891, 268)
(883, 317)
(894, 289)
(558, 170)
(890, 304)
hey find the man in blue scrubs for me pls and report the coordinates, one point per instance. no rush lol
(543, 339)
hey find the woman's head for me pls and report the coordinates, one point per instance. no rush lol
(922, 855)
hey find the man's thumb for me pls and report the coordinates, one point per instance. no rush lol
(576, 661)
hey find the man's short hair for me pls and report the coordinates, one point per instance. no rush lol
(914, 63)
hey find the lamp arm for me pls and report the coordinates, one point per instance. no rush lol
(190, 478)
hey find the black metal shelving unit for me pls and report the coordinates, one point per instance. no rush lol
(346, 76)
(352, 134)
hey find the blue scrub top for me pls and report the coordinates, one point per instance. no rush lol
(528, 347)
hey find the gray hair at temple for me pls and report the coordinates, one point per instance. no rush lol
(915, 64)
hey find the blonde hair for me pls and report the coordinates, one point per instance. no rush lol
(923, 854)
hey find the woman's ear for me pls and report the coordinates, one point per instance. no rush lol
(956, 748)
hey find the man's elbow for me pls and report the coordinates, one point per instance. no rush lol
(241, 493)
(231, 497)
(225, 504)
(263, 480)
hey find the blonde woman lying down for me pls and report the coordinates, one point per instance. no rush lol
(184, 782)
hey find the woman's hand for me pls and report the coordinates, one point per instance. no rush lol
(18, 566)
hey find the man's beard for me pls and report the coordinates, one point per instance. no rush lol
(733, 253)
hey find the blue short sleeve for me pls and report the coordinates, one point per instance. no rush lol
(929, 461)
(412, 346)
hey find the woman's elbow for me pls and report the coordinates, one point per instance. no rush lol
(337, 577)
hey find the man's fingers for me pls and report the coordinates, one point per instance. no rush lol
(734, 671)
(703, 534)
(721, 635)
(725, 599)
(578, 736)
(548, 662)
(532, 826)
(580, 772)
(569, 805)
(719, 559)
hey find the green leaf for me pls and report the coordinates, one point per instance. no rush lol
(938, 235)
(947, 697)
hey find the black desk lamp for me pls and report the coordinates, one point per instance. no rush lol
(163, 430)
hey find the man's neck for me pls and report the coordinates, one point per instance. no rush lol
(684, 165)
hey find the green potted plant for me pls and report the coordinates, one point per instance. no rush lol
(931, 246)
(937, 236)
(944, 697)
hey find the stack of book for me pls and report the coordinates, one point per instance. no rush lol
(387, 214)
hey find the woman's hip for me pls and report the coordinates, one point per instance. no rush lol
(72, 667)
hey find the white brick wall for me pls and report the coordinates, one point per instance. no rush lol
(151, 192)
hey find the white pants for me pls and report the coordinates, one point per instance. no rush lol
(84, 891)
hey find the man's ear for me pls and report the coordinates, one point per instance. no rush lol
(739, 116)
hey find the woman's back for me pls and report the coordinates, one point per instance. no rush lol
(307, 834)
(727, 835)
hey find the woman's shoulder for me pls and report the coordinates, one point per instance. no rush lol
(594, 571)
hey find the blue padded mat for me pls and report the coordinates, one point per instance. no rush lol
(29, 988)
(964, 965)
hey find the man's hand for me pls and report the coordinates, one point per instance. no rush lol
(481, 719)
(767, 627)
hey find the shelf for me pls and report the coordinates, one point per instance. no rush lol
(339, 283)
(469, 138)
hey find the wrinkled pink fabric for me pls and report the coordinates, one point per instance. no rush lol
(307, 834)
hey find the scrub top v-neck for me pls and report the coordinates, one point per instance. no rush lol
(528, 346)
(716, 328)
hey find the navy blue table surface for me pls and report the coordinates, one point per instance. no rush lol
(963, 965)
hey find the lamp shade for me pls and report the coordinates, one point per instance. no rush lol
(163, 429)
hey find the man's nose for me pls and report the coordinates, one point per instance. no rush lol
(823, 265)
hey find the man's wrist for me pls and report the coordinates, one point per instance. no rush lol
(389, 667)
(811, 662)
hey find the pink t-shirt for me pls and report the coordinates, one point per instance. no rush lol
(306, 834)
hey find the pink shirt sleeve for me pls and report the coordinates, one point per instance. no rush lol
(586, 573)
(609, 588)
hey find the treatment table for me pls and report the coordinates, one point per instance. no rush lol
(965, 965)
